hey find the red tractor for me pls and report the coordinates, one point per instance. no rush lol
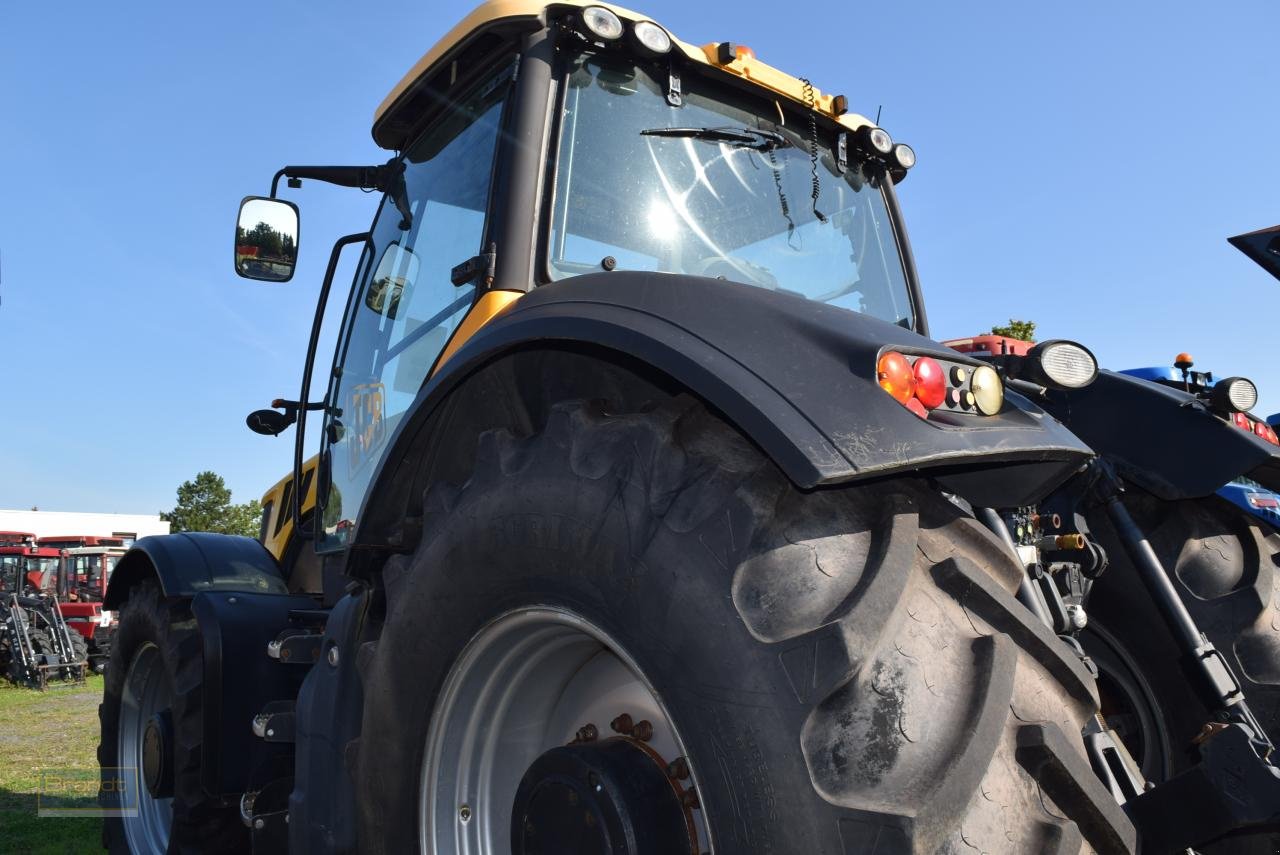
(35, 642)
(81, 586)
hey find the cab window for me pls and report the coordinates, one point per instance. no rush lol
(402, 315)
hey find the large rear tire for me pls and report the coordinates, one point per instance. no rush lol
(847, 670)
(1224, 564)
(156, 668)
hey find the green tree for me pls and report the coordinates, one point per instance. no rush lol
(204, 504)
(1021, 330)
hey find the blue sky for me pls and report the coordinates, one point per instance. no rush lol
(1079, 164)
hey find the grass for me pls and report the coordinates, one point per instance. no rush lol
(47, 732)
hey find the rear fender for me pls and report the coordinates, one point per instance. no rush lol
(796, 376)
(1162, 439)
(186, 564)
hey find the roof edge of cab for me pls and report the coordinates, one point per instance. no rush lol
(526, 14)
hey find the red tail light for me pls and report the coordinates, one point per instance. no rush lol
(931, 382)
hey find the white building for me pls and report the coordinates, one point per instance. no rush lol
(50, 523)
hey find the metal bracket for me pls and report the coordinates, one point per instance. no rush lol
(842, 152)
(276, 722)
(674, 96)
(293, 647)
(482, 266)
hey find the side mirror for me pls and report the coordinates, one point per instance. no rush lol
(266, 239)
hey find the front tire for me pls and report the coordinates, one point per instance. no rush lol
(1225, 566)
(843, 670)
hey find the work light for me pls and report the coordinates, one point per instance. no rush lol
(875, 141)
(602, 23)
(1234, 394)
(1065, 364)
(652, 37)
(904, 155)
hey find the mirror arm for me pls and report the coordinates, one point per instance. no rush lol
(312, 344)
(387, 178)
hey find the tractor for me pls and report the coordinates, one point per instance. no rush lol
(1175, 591)
(36, 644)
(81, 587)
(640, 513)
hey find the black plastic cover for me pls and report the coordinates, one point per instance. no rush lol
(1163, 439)
(797, 376)
(191, 562)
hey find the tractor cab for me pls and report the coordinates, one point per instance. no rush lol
(29, 570)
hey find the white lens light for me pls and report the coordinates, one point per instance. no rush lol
(880, 140)
(988, 391)
(602, 23)
(653, 37)
(905, 155)
(1242, 394)
(1068, 364)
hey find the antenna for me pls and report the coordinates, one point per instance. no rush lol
(878, 109)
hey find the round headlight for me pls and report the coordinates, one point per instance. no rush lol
(602, 23)
(652, 37)
(904, 155)
(1067, 364)
(880, 140)
(1235, 394)
(988, 391)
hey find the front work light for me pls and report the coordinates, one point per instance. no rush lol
(602, 23)
(1066, 364)
(1234, 395)
(652, 37)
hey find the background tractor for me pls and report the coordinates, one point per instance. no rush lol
(36, 644)
(644, 516)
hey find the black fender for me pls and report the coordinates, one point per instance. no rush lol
(1162, 439)
(190, 562)
(796, 376)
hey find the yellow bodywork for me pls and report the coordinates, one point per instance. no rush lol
(277, 508)
(745, 66)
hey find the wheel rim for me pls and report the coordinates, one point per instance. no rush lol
(527, 682)
(1128, 703)
(146, 692)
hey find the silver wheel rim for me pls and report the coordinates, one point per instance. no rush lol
(146, 692)
(525, 683)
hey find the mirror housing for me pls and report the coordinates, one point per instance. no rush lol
(270, 422)
(266, 245)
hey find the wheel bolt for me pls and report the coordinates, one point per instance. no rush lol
(643, 731)
(678, 769)
(689, 798)
(587, 733)
(622, 724)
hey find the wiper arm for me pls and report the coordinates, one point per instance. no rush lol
(738, 137)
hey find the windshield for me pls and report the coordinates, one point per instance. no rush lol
(736, 204)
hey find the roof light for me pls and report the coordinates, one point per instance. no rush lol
(896, 377)
(1183, 361)
(904, 155)
(988, 391)
(602, 23)
(875, 141)
(1234, 394)
(652, 37)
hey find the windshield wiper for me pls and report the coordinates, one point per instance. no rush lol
(738, 137)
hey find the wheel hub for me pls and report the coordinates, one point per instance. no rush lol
(610, 797)
(157, 754)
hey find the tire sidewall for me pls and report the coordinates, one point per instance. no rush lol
(571, 543)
